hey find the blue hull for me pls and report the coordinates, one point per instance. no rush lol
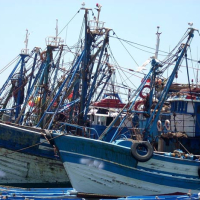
(28, 160)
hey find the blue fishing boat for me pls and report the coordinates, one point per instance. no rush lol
(27, 158)
(46, 96)
(132, 167)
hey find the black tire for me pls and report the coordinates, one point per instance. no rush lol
(139, 157)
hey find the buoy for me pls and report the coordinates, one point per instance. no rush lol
(143, 94)
(31, 103)
(70, 96)
(55, 103)
(159, 125)
(139, 105)
(37, 100)
(167, 124)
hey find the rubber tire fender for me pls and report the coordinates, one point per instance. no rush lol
(137, 156)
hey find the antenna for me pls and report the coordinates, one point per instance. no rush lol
(54, 41)
(157, 43)
(98, 10)
(95, 25)
(56, 31)
(25, 51)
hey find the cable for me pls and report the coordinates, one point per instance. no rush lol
(127, 41)
(128, 51)
(8, 65)
(68, 22)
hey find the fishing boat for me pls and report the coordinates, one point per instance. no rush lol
(27, 158)
(132, 167)
(54, 97)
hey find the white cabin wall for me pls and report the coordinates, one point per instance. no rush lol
(190, 107)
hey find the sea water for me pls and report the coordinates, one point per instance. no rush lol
(70, 193)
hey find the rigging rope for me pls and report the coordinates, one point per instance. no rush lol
(127, 51)
(8, 65)
(69, 22)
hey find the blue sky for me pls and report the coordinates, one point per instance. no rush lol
(133, 20)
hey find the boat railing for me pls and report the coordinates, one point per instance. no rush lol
(96, 25)
(53, 41)
(25, 51)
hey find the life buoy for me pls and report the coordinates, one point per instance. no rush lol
(143, 94)
(159, 125)
(142, 157)
(138, 105)
(167, 124)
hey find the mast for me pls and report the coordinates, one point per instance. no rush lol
(89, 37)
(92, 29)
(25, 51)
(19, 88)
(157, 42)
(98, 10)
(152, 120)
(52, 43)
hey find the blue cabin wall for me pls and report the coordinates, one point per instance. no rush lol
(179, 106)
(100, 129)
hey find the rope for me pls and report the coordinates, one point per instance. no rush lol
(69, 22)
(128, 52)
(8, 65)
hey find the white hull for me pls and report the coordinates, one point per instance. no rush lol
(178, 169)
(98, 181)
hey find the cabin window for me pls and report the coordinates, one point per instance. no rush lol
(92, 117)
(103, 120)
(102, 111)
(109, 120)
(98, 120)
